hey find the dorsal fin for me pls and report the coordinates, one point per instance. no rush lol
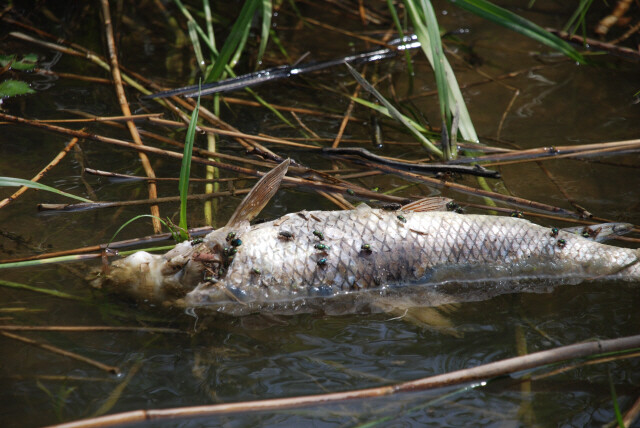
(260, 195)
(433, 203)
(600, 232)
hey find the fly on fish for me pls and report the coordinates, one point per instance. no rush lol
(347, 261)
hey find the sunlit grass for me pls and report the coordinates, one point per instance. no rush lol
(19, 182)
(185, 171)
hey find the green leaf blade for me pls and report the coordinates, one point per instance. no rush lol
(238, 32)
(185, 170)
(19, 182)
(12, 88)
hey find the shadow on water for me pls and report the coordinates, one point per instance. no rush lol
(228, 359)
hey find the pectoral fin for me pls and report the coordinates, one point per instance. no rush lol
(259, 196)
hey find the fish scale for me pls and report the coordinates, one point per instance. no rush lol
(430, 248)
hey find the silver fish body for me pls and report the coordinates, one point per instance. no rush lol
(317, 256)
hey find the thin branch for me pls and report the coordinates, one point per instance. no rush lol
(478, 373)
(102, 119)
(68, 354)
(240, 101)
(596, 44)
(42, 172)
(432, 168)
(127, 243)
(347, 113)
(552, 152)
(74, 328)
(439, 183)
(124, 105)
(632, 414)
(140, 178)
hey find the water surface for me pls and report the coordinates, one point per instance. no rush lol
(220, 360)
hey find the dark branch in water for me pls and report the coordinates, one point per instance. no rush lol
(482, 372)
(554, 152)
(284, 71)
(433, 168)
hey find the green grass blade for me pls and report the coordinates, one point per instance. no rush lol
(199, 30)
(195, 41)
(518, 24)
(407, 54)
(18, 182)
(54, 293)
(238, 32)
(383, 110)
(616, 406)
(578, 15)
(265, 11)
(131, 221)
(466, 128)
(50, 260)
(209, 21)
(440, 72)
(428, 145)
(73, 258)
(185, 171)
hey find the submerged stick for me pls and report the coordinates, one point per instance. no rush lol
(482, 372)
(42, 172)
(439, 183)
(68, 354)
(554, 152)
(434, 168)
(116, 175)
(124, 106)
(596, 44)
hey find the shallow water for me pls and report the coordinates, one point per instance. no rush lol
(222, 360)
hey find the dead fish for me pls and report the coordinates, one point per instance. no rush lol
(345, 261)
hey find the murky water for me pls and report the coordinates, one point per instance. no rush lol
(223, 360)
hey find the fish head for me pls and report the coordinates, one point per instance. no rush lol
(160, 279)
